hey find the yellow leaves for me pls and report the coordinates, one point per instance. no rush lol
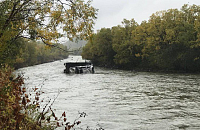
(197, 58)
(32, 23)
(47, 8)
(43, 18)
(79, 20)
(12, 26)
(48, 45)
(11, 98)
(31, 19)
(56, 14)
(7, 94)
(157, 48)
(138, 55)
(43, 7)
(19, 60)
(48, 35)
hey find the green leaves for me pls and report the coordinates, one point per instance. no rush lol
(170, 40)
(43, 19)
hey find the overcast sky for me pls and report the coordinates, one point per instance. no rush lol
(112, 12)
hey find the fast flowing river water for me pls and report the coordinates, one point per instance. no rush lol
(120, 100)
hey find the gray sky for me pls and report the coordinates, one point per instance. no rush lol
(112, 12)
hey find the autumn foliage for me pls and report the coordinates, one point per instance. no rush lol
(30, 21)
(46, 20)
(21, 107)
(12, 100)
(168, 41)
(22, 24)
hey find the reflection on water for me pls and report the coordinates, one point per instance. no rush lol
(121, 100)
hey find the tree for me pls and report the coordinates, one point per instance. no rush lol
(123, 44)
(45, 20)
(9, 51)
(169, 40)
(42, 19)
(103, 41)
(88, 50)
(100, 48)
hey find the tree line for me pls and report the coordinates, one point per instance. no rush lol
(169, 41)
(28, 52)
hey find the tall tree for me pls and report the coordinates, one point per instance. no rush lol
(45, 20)
(100, 48)
(123, 44)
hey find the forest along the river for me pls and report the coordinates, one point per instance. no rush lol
(117, 99)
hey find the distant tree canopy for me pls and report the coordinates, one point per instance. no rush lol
(44, 20)
(31, 53)
(169, 40)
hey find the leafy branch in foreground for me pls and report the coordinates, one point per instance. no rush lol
(42, 19)
(45, 116)
(11, 102)
(20, 108)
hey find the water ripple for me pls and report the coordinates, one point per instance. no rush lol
(122, 100)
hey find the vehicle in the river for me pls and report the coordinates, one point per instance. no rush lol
(79, 67)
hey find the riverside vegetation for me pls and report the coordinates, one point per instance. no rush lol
(26, 53)
(20, 106)
(168, 41)
(24, 26)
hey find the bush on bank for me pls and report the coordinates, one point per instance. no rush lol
(11, 104)
(20, 112)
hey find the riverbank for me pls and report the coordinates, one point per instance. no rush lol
(47, 61)
(13, 103)
(21, 106)
(154, 70)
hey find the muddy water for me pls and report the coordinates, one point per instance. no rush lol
(120, 100)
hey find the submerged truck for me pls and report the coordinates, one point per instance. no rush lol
(79, 67)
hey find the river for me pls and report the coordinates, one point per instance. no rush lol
(120, 100)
